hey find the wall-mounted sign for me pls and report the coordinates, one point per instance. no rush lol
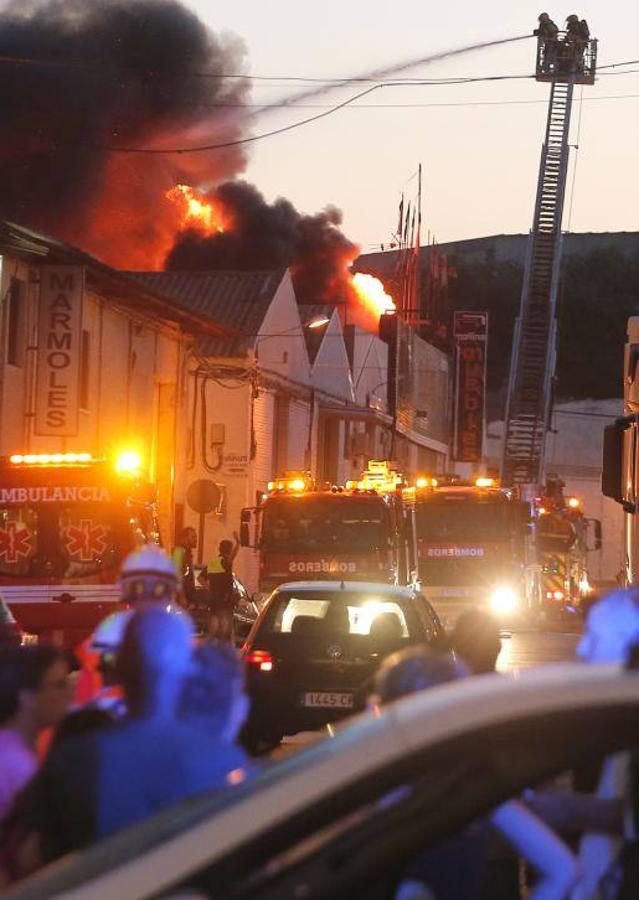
(471, 334)
(235, 463)
(59, 340)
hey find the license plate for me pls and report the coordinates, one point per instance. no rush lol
(327, 699)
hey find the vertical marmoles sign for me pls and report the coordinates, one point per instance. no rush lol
(59, 340)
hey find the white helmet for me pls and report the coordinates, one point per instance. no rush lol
(107, 637)
(148, 574)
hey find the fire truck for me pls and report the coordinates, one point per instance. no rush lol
(360, 532)
(475, 543)
(66, 522)
(562, 547)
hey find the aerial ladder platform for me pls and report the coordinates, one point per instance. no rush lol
(530, 387)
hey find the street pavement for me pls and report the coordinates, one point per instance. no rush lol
(533, 648)
(519, 650)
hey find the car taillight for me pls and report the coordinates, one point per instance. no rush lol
(262, 660)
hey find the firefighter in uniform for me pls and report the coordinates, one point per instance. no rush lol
(577, 37)
(220, 581)
(547, 32)
(148, 576)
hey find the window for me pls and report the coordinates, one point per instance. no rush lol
(326, 524)
(15, 323)
(456, 517)
(85, 348)
(348, 613)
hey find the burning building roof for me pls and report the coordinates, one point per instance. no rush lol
(95, 95)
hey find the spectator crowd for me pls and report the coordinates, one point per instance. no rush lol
(154, 717)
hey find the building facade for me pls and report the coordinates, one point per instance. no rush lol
(284, 394)
(91, 362)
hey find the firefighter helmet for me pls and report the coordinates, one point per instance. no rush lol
(149, 575)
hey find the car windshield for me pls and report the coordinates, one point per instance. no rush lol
(346, 613)
(457, 517)
(65, 540)
(330, 524)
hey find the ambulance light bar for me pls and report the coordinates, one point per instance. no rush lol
(295, 482)
(51, 459)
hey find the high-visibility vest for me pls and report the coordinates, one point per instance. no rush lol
(216, 567)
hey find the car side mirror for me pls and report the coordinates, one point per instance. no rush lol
(613, 456)
(598, 534)
(523, 515)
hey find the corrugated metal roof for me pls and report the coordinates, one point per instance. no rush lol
(238, 301)
(35, 248)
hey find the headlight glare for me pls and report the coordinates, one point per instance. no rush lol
(504, 600)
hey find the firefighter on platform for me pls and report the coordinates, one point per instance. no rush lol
(183, 559)
(220, 581)
(577, 37)
(548, 33)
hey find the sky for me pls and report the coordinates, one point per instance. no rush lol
(480, 161)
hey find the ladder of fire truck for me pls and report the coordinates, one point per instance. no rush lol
(533, 361)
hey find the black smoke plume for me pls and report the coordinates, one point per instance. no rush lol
(262, 235)
(90, 73)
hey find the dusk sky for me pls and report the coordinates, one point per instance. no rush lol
(480, 161)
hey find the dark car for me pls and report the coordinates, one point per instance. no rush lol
(313, 651)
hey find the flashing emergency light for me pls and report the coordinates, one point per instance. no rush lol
(381, 477)
(424, 482)
(129, 462)
(484, 482)
(574, 502)
(50, 459)
(292, 481)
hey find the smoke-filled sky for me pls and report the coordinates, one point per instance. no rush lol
(480, 161)
(150, 73)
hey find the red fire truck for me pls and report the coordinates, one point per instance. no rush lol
(66, 522)
(361, 532)
(476, 548)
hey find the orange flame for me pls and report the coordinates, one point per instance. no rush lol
(371, 293)
(197, 212)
